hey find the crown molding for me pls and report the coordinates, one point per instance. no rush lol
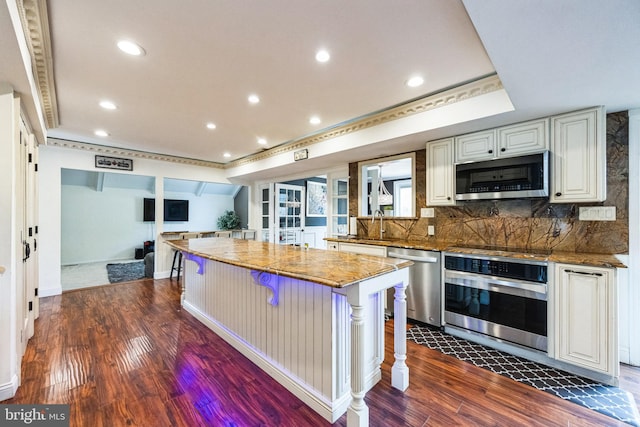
(125, 152)
(432, 101)
(35, 24)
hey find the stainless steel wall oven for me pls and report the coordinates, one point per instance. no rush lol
(503, 298)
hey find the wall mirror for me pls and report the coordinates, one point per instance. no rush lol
(387, 184)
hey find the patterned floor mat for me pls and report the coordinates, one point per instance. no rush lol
(611, 401)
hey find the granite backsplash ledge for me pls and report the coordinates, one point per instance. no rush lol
(527, 223)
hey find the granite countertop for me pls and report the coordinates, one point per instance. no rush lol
(330, 268)
(590, 259)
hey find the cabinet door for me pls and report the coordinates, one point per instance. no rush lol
(440, 173)
(523, 138)
(476, 146)
(586, 325)
(578, 146)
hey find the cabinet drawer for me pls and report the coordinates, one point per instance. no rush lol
(363, 249)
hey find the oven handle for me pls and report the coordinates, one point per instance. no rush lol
(493, 283)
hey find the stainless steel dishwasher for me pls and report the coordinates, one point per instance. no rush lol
(424, 291)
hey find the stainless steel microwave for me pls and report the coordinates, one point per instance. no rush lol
(504, 178)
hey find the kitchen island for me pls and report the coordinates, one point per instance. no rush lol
(312, 319)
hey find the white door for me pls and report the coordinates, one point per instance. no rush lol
(289, 214)
(266, 213)
(338, 198)
(31, 267)
(24, 247)
(33, 209)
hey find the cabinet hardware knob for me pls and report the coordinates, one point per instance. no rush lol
(503, 149)
(490, 151)
(448, 198)
(558, 194)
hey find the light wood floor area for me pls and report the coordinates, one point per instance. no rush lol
(127, 354)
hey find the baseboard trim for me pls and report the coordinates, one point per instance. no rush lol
(49, 292)
(8, 390)
(161, 275)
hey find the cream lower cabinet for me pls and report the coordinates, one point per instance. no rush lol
(333, 246)
(359, 248)
(585, 318)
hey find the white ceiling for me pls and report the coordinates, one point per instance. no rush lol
(203, 58)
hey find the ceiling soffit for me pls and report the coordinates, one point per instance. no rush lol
(446, 97)
(114, 151)
(432, 101)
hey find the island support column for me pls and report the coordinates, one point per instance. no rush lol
(357, 295)
(400, 370)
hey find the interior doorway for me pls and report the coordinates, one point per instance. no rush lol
(294, 212)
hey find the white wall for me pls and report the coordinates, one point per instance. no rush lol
(102, 225)
(107, 225)
(52, 160)
(203, 211)
(631, 320)
(9, 368)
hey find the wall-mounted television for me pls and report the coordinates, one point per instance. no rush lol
(174, 210)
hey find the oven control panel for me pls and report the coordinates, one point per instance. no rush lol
(511, 269)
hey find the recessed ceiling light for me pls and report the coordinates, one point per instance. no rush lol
(101, 133)
(262, 141)
(254, 99)
(315, 120)
(227, 155)
(415, 81)
(211, 125)
(108, 105)
(322, 56)
(131, 48)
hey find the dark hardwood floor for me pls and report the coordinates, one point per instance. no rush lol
(128, 354)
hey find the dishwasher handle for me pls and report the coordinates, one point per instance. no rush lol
(415, 258)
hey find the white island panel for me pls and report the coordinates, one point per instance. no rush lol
(302, 339)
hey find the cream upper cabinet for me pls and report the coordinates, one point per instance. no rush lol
(519, 139)
(475, 146)
(586, 330)
(440, 173)
(578, 157)
(523, 138)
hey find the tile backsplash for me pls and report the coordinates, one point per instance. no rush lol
(520, 223)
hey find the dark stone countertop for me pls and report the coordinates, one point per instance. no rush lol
(590, 259)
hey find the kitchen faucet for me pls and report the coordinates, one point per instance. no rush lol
(373, 218)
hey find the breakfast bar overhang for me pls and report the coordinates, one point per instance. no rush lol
(312, 319)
